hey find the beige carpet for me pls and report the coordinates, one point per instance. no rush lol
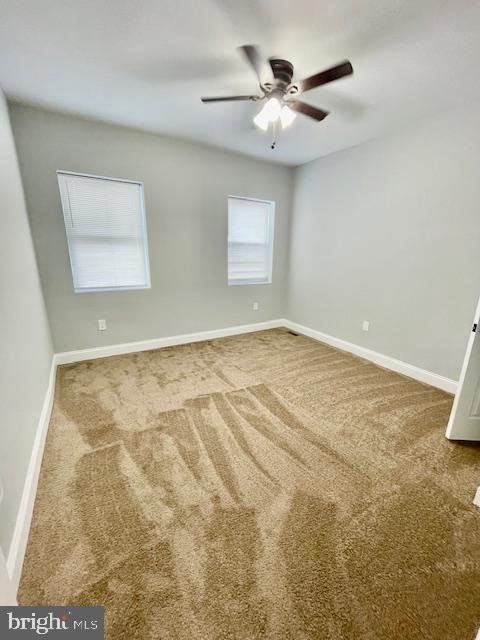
(258, 486)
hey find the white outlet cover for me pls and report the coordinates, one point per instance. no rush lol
(255, 306)
(102, 325)
(365, 325)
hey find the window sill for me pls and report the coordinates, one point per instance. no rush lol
(102, 289)
(236, 283)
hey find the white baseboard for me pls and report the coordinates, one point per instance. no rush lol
(388, 362)
(410, 370)
(145, 345)
(18, 545)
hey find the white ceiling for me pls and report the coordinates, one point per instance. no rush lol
(146, 63)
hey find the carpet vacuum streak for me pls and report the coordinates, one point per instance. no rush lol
(258, 486)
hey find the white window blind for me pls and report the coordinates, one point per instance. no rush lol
(250, 240)
(106, 232)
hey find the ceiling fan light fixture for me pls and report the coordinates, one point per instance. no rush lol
(287, 116)
(270, 112)
(272, 109)
(261, 120)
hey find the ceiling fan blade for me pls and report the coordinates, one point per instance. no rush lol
(230, 98)
(260, 65)
(329, 75)
(307, 110)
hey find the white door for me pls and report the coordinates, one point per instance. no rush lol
(464, 423)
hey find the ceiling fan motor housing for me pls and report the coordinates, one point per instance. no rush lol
(282, 71)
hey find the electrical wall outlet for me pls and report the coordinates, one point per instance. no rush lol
(255, 306)
(365, 325)
(102, 325)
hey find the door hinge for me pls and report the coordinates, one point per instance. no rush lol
(474, 328)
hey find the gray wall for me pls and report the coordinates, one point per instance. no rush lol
(389, 232)
(25, 344)
(186, 189)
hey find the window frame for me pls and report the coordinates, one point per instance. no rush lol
(271, 240)
(148, 284)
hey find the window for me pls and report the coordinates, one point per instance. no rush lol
(250, 240)
(106, 232)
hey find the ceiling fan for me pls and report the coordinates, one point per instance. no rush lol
(276, 86)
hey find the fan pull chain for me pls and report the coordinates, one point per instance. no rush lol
(274, 139)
